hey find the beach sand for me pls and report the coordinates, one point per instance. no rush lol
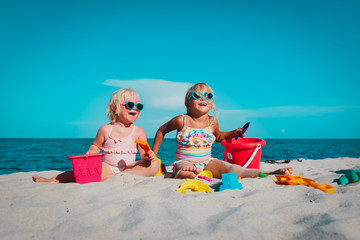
(132, 207)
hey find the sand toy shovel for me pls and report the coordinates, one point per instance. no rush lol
(298, 180)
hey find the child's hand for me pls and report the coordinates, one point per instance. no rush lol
(93, 149)
(238, 131)
(91, 152)
(151, 155)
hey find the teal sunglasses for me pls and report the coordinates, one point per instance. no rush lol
(130, 105)
(198, 95)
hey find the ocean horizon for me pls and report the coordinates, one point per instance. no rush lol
(43, 154)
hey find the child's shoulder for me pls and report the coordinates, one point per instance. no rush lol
(178, 120)
(213, 119)
(103, 132)
(138, 129)
(179, 117)
(105, 127)
(139, 133)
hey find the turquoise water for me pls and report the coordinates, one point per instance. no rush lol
(24, 155)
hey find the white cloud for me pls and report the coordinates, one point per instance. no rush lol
(285, 111)
(157, 93)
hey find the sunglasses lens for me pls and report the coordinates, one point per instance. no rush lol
(139, 106)
(209, 95)
(130, 105)
(196, 96)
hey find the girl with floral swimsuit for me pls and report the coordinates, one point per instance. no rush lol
(196, 132)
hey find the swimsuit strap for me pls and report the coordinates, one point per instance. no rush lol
(211, 124)
(111, 128)
(212, 121)
(184, 120)
(133, 130)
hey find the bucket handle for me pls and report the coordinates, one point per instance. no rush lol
(252, 156)
(224, 156)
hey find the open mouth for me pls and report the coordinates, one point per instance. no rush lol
(132, 113)
(203, 104)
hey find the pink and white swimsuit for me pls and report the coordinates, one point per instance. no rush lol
(119, 152)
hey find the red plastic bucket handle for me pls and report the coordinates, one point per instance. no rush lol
(224, 157)
(252, 155)
(249, 160)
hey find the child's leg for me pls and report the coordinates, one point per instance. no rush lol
(218, 167)
(185, 169)
(107, 171)
(144, 168)
(61, 178)
(68, 176)
(281, 171)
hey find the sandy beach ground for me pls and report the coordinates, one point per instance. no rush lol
(132, 207)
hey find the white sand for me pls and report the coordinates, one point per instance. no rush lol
(131, 207)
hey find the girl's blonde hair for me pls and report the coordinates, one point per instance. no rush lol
(113, 107)
(199, 87)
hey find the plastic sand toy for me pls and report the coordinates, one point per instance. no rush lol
(144, 145)
(352, 177)
(87, 168)
(245, 152)
(298, 180)
(207, 175)
(230, 181)
(194, 185)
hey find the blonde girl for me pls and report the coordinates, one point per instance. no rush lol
(196, 132)
(117, 141)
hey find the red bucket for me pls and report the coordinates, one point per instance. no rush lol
(245, 152)
(87, 168)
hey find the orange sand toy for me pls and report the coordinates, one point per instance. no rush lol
(298, 180)
(144, 145)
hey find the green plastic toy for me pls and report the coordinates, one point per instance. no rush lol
(352, 177)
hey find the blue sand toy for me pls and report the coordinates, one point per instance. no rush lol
(230, 181)
(353, 176)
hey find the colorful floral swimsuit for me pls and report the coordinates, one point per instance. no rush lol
(194, 145)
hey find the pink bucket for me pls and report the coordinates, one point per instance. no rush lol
(87, 168)
(245, 152)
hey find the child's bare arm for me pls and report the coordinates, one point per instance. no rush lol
(141, 135)
(173, 124)
(221, 135)
(97, 144)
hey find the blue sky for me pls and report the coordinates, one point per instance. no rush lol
(291, 68)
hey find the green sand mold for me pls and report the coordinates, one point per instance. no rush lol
(353, 176)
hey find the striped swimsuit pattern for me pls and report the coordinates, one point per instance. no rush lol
(194, 143)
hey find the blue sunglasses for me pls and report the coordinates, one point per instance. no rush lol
(130, 105)
(198, 95)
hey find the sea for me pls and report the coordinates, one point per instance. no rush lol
(36, 154)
